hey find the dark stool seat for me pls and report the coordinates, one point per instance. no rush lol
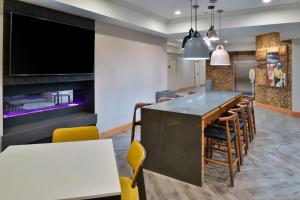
(218, 133)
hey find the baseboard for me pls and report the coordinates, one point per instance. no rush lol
(295, 114)
(115, 131)
(277, 109)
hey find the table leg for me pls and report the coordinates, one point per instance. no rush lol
(141, 186)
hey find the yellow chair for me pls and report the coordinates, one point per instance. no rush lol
(135, 157)
(75, 134)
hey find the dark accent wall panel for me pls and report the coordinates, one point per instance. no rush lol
(39, 127)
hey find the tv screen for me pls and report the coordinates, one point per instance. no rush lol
(43, 47)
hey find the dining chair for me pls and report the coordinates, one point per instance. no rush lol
(135, 158)
(75, 134)
(136, 122)
(163, 99)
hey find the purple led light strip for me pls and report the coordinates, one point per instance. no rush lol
(38, 110)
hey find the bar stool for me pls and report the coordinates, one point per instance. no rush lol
(134, 120)
(243, 119)
(240, 125)
(249, 117)
(215, 139)
(252, 99)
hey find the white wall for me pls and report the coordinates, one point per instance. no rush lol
(295, 75)
(1, 70)
(185, 72)
(129, 67)
(202, 71)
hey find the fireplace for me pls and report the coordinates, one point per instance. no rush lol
(31, 112)
(34, 103)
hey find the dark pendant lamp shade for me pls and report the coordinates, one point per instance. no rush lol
(195, 49)
(191, 31)
(187, 37)
(213, 35)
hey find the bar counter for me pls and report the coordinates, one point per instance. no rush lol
(173, 133)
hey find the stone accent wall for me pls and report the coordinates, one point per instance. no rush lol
(223, 76)
(278, 97)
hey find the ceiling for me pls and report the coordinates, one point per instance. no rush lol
(166, 8)
(241, 22)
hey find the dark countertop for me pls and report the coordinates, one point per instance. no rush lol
(196, 104)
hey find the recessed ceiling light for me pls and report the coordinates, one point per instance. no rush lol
(266, 1)
(226, 41)
(177, 12)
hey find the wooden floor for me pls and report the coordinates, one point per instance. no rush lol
(270, 171)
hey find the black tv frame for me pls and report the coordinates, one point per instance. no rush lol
(35, 75)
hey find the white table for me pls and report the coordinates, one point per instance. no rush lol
(71, 170)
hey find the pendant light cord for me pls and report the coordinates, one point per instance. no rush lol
(196, 21)
(213, 14)
(220, 25)
(211, 18)
(191, 13)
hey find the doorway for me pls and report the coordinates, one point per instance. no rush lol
(172, 74)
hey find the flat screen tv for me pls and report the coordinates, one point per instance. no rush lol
(41, 47)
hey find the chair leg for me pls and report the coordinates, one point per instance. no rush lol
(239, 141)
(207, 148)
(230, 164)
(237, 154)
(132, 132)
(211, 148)
(250, 129)
(245, 140)
(253, 117)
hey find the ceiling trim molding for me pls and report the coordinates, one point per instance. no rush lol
(295, 5)
(138, 9)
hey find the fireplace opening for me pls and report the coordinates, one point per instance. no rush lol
(40, 102)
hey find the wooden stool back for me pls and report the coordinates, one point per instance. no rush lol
(242, 146)
(134, 120)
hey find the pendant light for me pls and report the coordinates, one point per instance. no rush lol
(191, 31)
(195, 49)
(212, 34)
(220, 56)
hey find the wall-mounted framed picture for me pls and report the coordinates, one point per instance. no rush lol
(273, 71)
